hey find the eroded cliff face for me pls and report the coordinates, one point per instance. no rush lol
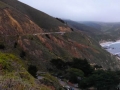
(13, 22)
(42, 48)
(20, 34)
(64, 29)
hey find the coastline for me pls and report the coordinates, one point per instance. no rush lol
(107, 43)
(112, 50)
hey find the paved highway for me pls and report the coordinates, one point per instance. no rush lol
(35, 34)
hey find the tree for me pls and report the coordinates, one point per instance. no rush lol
(15, 44)
(82, 65)
(59, 64)
(102, 80)
(73, 75)
(32, 70)
(2, 46)
(22, 54)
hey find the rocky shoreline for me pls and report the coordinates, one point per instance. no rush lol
(107, 46)
(103, 43)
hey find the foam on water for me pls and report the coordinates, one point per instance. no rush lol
(106, 44)
(112, 47)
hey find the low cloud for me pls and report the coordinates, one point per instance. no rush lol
(79, 10)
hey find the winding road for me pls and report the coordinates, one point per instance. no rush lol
(35, 34)
(62, 33)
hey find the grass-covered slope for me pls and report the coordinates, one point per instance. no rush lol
(3, 5)
(79, 26)
(14, 76)
(20, 22)
(40, 18)
(21, 47)
(110, 31)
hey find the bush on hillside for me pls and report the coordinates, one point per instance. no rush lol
(2, 46)
(32, 70)
(59, 64)
(60, 20)
(102, 80)
(15, 44)
(22, 54)
(74, 75)
(82, 65)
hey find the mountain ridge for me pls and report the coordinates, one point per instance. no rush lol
(40, 49)
(41, 19)
(34, 44)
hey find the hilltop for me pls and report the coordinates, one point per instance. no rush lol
(40, 18)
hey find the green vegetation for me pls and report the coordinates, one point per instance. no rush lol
(79, 71)
(102, 80)
(6, 61)
(37, 51)
(13, 74)
(32, 70)
(43, 20)
(2, 46)
(67, 46)
(15, 45)
(47, 36)
(73, 75)
(72, 70)
(86, 29)
(82, 65)
(3, 5)
(59, 64)
(22, 54)
(61, 20)
(49, 80)
(76, 64)
(99, 56)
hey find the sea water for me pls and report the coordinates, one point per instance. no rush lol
(112, 47)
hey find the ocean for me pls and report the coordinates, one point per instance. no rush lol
(112, 47)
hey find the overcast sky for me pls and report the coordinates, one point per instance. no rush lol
(79, 10)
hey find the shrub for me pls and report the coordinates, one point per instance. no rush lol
(15, 44)
(2, 46)
(58, 63)
(32, 70)
(47, 36)
(82, 65)
(102, 80)
(22, 54)
(73, 75)
(60, 20)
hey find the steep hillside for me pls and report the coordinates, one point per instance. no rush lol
(12, 24)
(85, 28)
(91, 24)
(110, 31)
(22, 32)
(90, 28)
(14, 75)
(40, 18)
